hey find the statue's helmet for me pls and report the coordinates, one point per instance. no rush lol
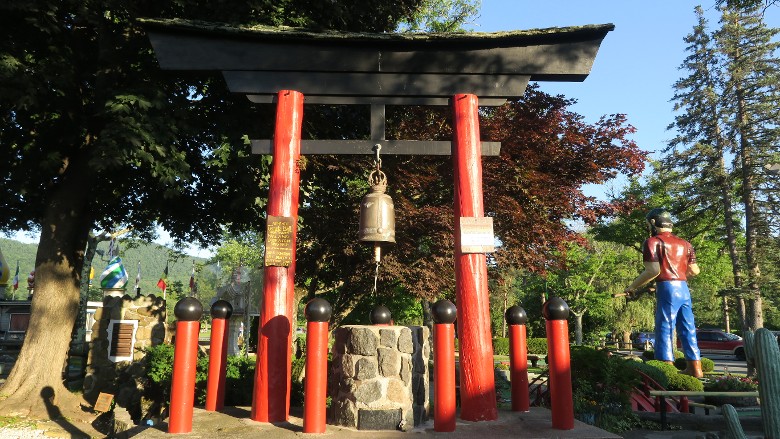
(659, 218)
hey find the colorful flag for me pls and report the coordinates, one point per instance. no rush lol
(192, 278)
(163, 282)
(114, 276)
(111, 249)
(16, 277)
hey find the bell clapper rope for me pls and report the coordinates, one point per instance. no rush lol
(377, 251)
(375, 178)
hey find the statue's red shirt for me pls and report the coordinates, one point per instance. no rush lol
(672, 253)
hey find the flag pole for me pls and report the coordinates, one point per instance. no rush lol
(16, 282)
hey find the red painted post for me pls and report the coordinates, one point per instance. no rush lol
(185, 359)
(518, 358)
(318, 313)
(477, 382)
(221, 311)
(444, 401)
(684, 405)
(271, 401)
(556, 311)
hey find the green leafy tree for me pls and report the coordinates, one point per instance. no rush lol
(97, 135)
(443, 16)
(751, 92)
(699, 154)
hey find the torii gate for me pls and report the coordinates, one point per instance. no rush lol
(281, 65)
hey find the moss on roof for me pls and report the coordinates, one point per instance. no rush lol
(291, 33)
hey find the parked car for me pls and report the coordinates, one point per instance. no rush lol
(643, 340)
(715, 341)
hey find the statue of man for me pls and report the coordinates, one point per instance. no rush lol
(670, 260)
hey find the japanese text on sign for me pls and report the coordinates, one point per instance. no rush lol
(279, 241)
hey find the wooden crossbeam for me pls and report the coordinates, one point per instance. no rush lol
(389, 147)
(376, 84)
(371, 100)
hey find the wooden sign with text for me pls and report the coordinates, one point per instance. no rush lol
(279, 241)
(476, 235)
(103, 403)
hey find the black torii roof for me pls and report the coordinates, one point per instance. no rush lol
(376, 68)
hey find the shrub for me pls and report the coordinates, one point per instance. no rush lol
(501, 346)
(707, 365)
(239, 380)
(300, 345)
(159, 371)
(666, 368)
(601, 387)
(537, 346)
(239, 376)
(650, 355)
(679, 381)
(297, 386)
(654, 373)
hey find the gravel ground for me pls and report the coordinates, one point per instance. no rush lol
(21, 433)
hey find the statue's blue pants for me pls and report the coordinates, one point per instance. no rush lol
(674, 309)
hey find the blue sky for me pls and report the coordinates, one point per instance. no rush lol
(636, 66)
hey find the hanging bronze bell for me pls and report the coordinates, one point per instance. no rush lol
(377, 213)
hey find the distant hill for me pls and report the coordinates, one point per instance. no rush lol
(152, 258)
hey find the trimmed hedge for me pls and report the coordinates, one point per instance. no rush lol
(707, 365)
(653, 372)
(685, 382)
(650, 355)
(500, 346)
(537, 346)
(676, 380)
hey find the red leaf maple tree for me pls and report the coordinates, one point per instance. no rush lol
(533, 190)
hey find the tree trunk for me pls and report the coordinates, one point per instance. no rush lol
(35, 386)
(426, 314)
(503, 314)
(749, 201)
(731, 235)
(578, 327)
(741, 311)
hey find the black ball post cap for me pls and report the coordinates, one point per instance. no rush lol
(188, 309)
(380, 315)
(221, 309)
(318, 310)
(515, 315)
(555, 309)
(444, 311)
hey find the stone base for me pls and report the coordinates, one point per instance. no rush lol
(379, 377)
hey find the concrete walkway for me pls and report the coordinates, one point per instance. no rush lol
(234, 422)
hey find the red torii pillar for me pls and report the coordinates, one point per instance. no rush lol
(477, 382)
(271, 402)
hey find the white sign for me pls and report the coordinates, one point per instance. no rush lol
(476, 235)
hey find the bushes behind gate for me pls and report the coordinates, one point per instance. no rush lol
(239, 376)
